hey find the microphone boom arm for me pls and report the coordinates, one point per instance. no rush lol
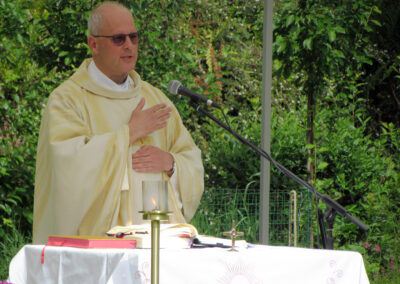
(332, 206)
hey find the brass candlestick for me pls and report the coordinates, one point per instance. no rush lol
(155, 216)
(155, 208)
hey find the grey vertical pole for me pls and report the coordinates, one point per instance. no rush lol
(266, 122)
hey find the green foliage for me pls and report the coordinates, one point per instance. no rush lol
(363, 174)
(382, 88)
(200, 52)
(10, 244)
(229, 163)
(314, 39)
(24, 86)
(344, 54)
(62, 26)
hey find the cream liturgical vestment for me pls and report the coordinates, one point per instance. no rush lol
(84, 157)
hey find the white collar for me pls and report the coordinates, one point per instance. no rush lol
(106, 82)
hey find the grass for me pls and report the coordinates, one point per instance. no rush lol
(12, 242)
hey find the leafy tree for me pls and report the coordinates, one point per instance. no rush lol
(315, 39)
(381, 92)
(24, 86)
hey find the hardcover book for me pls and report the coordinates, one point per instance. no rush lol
(90, 242)
(171, 235)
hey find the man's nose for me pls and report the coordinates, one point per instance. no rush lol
(128, 43)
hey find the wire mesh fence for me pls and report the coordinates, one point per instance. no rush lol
(289, 215)
(290, 218)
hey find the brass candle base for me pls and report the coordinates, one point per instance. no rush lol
(155, 216)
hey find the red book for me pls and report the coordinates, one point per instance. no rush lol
(90, 242)
(87, 242)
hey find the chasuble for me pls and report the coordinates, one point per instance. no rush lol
(84, 160)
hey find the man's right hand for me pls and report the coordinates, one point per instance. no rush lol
(145, 122)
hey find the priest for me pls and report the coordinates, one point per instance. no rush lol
(103, 132)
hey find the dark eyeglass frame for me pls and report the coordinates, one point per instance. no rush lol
(119, 39)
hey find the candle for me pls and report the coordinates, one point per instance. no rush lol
(155, 208)
(155, 195)
(154, 203)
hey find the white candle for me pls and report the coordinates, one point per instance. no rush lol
(155, 195)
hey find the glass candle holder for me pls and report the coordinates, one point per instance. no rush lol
(155, 195)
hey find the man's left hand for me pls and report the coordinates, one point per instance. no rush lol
(150, 159)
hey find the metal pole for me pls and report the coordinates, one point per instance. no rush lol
(266, 121)
(156, 216)
(155, 251)
(293, 218)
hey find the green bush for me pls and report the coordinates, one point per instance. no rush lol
(362, 173)
(218, 54)
(24, 86)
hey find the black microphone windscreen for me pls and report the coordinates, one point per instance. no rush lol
(173, 87)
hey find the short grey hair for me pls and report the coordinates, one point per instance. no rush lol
(95, 19)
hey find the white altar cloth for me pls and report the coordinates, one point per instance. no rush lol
(261, 264)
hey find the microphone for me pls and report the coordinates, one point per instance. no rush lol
(176, 87)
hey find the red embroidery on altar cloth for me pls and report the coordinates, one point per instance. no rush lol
(144, 273)
(336, 272)
(238, 272)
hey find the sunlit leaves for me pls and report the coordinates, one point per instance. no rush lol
(281, 43)
(332, 35)
(307, 43)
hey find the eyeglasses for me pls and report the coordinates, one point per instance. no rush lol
(119, 39)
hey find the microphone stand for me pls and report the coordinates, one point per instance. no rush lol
(333, 208)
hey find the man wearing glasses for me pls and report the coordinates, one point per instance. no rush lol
(105, 130)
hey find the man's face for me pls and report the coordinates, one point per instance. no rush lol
(115, 61)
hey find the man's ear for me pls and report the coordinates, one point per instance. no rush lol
(92, 44)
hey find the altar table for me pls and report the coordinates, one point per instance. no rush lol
(260, 264)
